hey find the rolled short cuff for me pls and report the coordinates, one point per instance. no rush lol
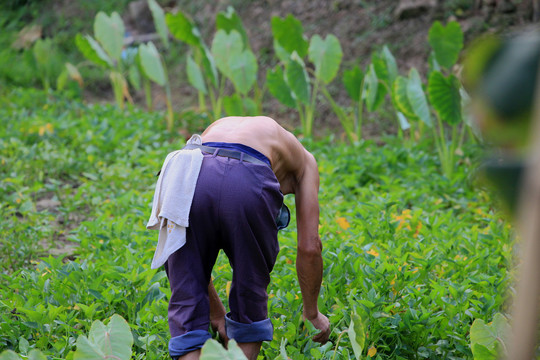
(255, 332)
(188, 342)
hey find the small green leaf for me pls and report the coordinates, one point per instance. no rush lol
(373, 91)
(400, 99)
(391, 64)
(243, 69)
(445, 97)
(326, 56)
(159, 21)
(297, 79)
(183, 28)
(278, 87)
(357, 335)
(281, 53)
(226, 46)
(134, 76)
(208, 64)
(289, 33)
(9, 355)
(109, 32)
(480, 352)
(250, 107)
(446, 42)
(403, 123)
(195, 75)
(23, 345)
(417, 97)
(212, 350)
(379, 65)
(92, 50)
(230, 21)
(36, 355)
(43, 50)
(151, 64)
(353, 80)
(233, 105)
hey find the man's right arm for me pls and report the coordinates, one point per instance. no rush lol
(309, 263)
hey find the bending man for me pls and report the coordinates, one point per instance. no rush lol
(248, 164)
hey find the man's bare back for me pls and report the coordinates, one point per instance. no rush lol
(287, 156)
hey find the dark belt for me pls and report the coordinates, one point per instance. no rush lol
(227, 153)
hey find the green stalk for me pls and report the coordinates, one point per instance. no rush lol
(337, 343)
(345, 121)
(439, 147)
(212, 103)
(310, 109)
(170, 114)
(301, 116)
(360, 114)
(257, 97)
(202, 102)
(148, 93)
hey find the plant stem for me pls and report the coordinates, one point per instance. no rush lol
(170, 114)
(337, 343)
(148, 93)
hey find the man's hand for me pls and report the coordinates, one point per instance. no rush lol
(322, 323)
(217, 314)
(218, 325)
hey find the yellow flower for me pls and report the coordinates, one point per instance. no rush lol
(343, 223)
(403, 219)
(418, 228)
(372, 351)
(228, 288)
(373, 252)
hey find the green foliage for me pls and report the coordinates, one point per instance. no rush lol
(231, 54)
(417, 256)
(103, 342)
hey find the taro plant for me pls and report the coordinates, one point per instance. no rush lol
(236, 62)
(46, 60)
(229, 58)
(290, 81)
(147, 61)
(439, 104)
(367, 88)
(105, 50)
(200, 65)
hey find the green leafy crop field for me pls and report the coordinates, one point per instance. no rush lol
(411, 258)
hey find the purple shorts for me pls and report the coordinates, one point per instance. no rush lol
(234, 208)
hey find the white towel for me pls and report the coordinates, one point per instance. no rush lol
(172, 200)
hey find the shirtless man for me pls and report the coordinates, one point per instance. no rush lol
(249, 164)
